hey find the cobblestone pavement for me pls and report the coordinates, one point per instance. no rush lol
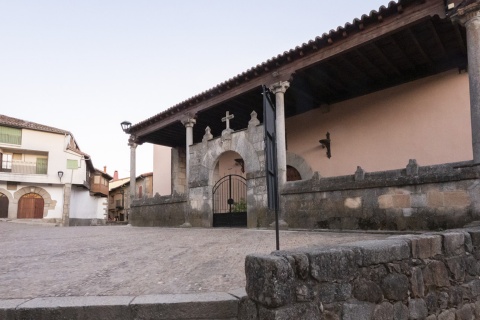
(45, 261)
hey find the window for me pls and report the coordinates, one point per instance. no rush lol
(42, 164)
(10, 135)
(72, 164)
(7, 161)
(17, 157)
(96, 179)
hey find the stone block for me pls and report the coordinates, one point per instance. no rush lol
(358, 310)
(416, 283)
(329, 264)
(383, 311)
(395, 286)
(364, 290)
(473, 288)
(418, 200)
(456, 265)
(184, 306)
(447, 315)
(435, 274)
(328, 292)
(401, 201)
(417, 309)
(380, 251)
(300, 311)
(466, 312)
(400, 311)
(7, 307)
(247, 309)
(435, 199)
(431, 317)
(475, 236)
(269, 280)
(456, 199)
(431, 300)
(385, 201)
(454, 243)
(88, 307)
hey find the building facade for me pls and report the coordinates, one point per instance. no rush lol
(377, 126)
(44, 175)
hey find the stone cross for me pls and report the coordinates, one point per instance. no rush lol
(227, 119)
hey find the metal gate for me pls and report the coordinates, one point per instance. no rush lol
(230, 202)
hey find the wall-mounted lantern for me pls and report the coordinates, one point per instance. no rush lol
(325, 143)
(60, 175)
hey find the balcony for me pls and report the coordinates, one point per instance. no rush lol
(99, 189)
(23, 167)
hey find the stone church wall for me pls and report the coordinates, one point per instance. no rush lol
(159, 211)
(204, 156)
(429, 276)
(415, 198)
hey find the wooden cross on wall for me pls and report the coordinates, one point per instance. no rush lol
(227, 119)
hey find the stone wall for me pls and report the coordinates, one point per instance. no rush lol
(415, 198)
(159, 211)
(430, 276)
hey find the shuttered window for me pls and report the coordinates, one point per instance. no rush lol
(10, 135)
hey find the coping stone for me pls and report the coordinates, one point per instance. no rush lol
(380, 251)
(7, 307)
(88, 307)
(211, 305)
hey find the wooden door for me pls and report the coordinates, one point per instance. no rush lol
(3, 206)
(30, 206)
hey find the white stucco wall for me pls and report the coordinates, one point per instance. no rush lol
(84, 206)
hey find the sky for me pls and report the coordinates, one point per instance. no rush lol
(87, 65)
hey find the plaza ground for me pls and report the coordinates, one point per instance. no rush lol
(39, 260)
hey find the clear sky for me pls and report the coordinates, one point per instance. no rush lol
(87, 65)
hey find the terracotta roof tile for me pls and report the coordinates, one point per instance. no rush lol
(23, 124)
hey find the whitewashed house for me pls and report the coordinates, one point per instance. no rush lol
(45, 175)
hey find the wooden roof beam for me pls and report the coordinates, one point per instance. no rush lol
(434, 32)
(367, 62)
(418, 46)
(385, 59)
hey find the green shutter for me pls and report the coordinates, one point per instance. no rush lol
(10, 135)
(72, 164)
(42, 165)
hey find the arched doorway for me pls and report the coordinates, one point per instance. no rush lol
(30, 206)
(3, 206)
(229, 193)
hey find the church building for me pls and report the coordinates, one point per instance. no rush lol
(377, 126)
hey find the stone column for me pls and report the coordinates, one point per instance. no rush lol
(188, 123)
(67, 192)
(469, 16)
(132, 142)
(279, 90)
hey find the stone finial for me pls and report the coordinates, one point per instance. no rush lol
(359, 174)
(208, 134)
(253, 120)
(412, 167)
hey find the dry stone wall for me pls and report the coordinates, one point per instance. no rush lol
(159, 211)
(430, 276)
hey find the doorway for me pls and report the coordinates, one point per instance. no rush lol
(30, 206)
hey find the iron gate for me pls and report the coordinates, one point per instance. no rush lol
(230, 202)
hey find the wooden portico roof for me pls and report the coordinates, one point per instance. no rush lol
(401, 42)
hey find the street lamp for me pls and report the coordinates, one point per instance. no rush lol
(126, 126)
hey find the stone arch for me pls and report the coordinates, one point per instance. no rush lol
(300, 164)
(8, 196)
(49, 203)
(242, 146)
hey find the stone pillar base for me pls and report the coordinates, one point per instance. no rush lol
(282, 225)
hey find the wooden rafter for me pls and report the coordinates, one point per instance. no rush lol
(384, 58)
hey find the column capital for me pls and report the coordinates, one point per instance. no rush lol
(132, 141)
(189, 122)
(280, 86)
(466, 14)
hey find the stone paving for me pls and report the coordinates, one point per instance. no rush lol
(47, 261)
